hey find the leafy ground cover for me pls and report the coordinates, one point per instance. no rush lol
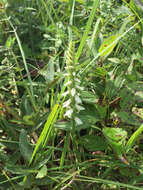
(71, 94)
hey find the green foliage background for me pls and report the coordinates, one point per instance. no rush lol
(41, 148)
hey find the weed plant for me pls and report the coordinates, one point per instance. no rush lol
(71, 94)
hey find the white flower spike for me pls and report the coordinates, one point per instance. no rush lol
(73, 91)
(78, 121)
(67, 103)
(65, 93)
(68, 113)
(77, 99)
(79, 108)
(79, 87)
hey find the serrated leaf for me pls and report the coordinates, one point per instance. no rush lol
(25, 148)
(108, 45)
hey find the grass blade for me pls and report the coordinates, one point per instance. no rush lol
(87, 29)
(133, 138)
(43, 135)
(104, 181)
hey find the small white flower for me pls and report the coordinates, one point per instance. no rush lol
(69, 67)
(79, 87)
(78, 121)
(67, 103)
(78, 100)
(65, 74)
(73, 73)
(68, 113)
(65, 93)
(68, 83)
(79, 108)
(77, 80)
(73, 91)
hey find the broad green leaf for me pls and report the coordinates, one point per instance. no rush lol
(108, 45)
(89, 97)
(116, 137)
(102, 110)
(128, 118)
(25, 148)
(42, 173)
(93, 142)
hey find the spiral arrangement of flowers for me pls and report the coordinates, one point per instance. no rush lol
(73, 103)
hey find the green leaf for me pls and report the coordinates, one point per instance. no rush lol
(89, 97)
(17, 169)
(132, 172)
(102, 110)
(116, 137)
(100, 71)
(13, 159)
(25, 148)
(93, 142)
(133, 138)
(10, 144)
(87, 30)
(36, 188)
(10, 41)
(43, 172)
(3, 157)
(108, 45)
(28, 119)
(26, 107)
(129, 118)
